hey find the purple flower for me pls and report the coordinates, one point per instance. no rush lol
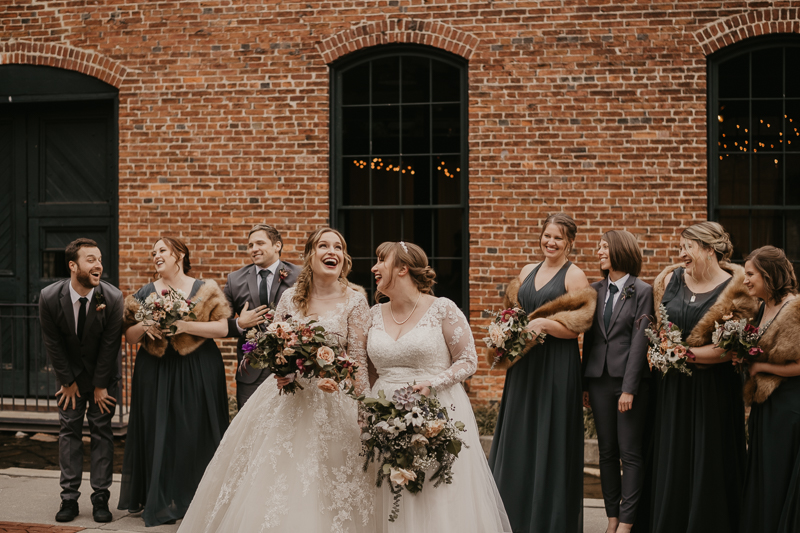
(249, 346)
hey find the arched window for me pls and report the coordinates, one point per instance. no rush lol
(754, 139)
(399, 158)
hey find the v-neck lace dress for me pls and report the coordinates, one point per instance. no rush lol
(290, 463)
(439, 349)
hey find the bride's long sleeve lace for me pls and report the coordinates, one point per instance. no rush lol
(358, 322)
(458, 336)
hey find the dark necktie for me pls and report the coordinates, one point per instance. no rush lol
(612, 289)
(82, 315)
(263, 292)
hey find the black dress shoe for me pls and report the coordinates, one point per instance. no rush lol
(68, 511)
(100, 511)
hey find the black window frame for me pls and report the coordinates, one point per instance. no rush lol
(337, 172)
(714, 205)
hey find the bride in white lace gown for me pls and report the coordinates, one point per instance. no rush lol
(290, 463)
(417, 338)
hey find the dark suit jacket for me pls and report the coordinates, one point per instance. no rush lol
(242, 288)
(624, 346)
(92, 361)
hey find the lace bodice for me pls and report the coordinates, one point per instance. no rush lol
(349, 319)
(439, 348)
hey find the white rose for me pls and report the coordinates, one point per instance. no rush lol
(401, 476)
(496, 335)
(418, 440)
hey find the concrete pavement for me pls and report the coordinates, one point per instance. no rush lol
(31, 496)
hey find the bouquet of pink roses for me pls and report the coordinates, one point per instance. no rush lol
(291, 348)
(508, 336)
(407, 435)
(739, 336)
(667, 350)
(166, 308)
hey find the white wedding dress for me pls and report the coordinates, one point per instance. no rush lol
(439, 349)
(290, 463)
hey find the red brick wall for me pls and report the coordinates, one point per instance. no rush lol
(592, 107)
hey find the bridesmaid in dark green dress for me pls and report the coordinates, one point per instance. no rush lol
(179, 406)
(537, 451)
(699, 447)
(771, 502)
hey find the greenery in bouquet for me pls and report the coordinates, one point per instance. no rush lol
(293, 348)
(407, 436)
(739, 336)
(508, 336)
(667, 350)
(166, 308)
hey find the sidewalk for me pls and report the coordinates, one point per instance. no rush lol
(30, 497)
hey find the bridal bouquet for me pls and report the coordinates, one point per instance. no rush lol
(739, 336)
(667, 350)
(166, 308)
(508, 336)
(408, 435)
(291, 348)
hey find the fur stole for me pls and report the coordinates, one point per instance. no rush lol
(781, 345)
(733, 299)
(573, 310)
(211, 305)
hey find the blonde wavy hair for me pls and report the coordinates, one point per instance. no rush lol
(302, 288)
(711, 238)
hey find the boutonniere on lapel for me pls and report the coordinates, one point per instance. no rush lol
(628, 293)
(100, 300)
(283, 274)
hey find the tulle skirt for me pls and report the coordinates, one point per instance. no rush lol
(471, 504)
(288, 463)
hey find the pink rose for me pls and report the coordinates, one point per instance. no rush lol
(327, 385)
(434, 428)
(496, 335)
(755, 350)
(401, 476)
(325, 355)
(679, 350)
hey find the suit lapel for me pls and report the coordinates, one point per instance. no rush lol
(621, 302)
(601, 308)
(276, 281)
(69, 312)
(252, 285)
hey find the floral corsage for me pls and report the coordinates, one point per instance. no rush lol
(283, 274)
(628, 292)
(100, 301)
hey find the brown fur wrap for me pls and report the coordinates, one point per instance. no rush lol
(211, 305)
(573, 310)
(781, 345)
(734, 299)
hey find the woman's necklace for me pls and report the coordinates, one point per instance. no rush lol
(409, 315)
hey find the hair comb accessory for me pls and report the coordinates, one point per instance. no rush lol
(405, 248)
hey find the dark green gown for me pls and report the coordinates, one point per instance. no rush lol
(771, 502)
(179, 412)
(699, 447)
(537, 451)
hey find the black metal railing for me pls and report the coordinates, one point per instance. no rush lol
(27, 381)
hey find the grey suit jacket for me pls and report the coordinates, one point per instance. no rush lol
(241, 288)
(623, 348)
(92, 361)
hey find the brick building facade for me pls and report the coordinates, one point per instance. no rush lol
(224, 114)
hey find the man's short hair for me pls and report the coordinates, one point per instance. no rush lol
(71, 251)
(272, 234)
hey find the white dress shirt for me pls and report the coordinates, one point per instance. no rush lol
(272, 269)
(76, 304)
(620, 283)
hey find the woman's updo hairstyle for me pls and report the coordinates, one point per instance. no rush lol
(712, 236)
(414, 258)
(777, 271)
(178, 247)
(567, 225)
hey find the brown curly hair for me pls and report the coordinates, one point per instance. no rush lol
(414, 258)
(302, 288)
(777, 271)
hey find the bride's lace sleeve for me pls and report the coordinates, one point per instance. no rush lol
(358, 322)
(458, 336)
(285, 305)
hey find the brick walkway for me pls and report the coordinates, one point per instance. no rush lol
(16, 527)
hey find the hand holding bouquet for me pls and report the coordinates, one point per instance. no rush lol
(738, 336)
(667, 350)
(508, 335)
(292, 348)
(408, 435)
(166, 308)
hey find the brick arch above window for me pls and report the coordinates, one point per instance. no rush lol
(392, 31)
(724, 32)
(65, 57)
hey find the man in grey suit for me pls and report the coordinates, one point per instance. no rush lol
(616, 375)
(81, 320)
(251, 291)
